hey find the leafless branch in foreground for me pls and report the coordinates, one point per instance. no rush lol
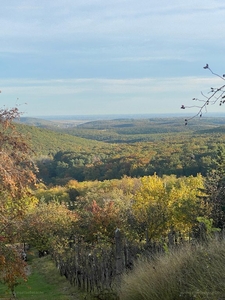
(215, 95)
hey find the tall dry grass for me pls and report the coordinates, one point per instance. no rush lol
(192, 272)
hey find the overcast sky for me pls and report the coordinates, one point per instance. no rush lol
(69, 57)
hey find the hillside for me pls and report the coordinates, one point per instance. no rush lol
(44, 141)
(218, 129)
(125, 147)
(127, 130)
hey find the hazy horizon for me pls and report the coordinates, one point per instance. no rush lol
(123, 116)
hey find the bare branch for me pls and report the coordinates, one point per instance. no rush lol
(216, 95)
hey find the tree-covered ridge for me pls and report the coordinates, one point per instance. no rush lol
(45, 141)
(42, 123)
(128, 130)
(218, 129)
(179, 154)
(62, 157)
(136, 130)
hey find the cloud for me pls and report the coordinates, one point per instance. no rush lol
(112, 86)
(94, 36)
(96, 53)
(62, 19)
(102, 96)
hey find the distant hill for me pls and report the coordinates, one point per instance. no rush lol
(218, 129)
(126, 130)
(138, 130)
(131, 147)
(52, 124)
(44, 141)
(35, 122)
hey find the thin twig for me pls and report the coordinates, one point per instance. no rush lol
(217, 94)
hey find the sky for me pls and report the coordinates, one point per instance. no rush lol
(69, 57)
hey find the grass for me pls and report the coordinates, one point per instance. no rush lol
(191, 273)
(44, 283)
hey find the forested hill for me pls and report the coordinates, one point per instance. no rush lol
(186, 152)
(127, 130)
(136, 130)
(45, 141)
(218, 129)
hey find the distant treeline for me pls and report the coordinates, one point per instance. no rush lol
(141, 130)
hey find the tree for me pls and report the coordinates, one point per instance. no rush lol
(49, 226)
(16, 166)
(162, 205)
(215, 189)
(215, 95)
(186, 204)
(103, 221)
(17, 173)
(150, 207)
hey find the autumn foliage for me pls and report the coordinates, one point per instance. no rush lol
(16, 166)
(147, 210)
(16, 175)
(49, 226)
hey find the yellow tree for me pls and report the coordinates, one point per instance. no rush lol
(186, 204)
(150, 206)
(169, 204)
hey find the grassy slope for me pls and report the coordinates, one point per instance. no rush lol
(44, 283)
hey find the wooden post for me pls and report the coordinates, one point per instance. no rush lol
(202, 232)
(119, 252)
(171, 238)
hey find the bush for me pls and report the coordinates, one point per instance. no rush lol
(192, 272)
